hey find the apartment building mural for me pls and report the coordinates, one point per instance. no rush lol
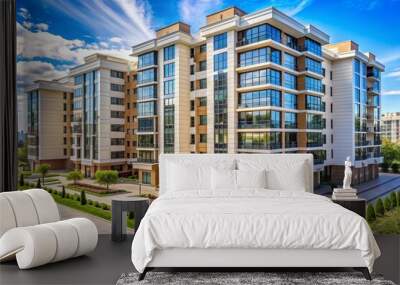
(247, 83)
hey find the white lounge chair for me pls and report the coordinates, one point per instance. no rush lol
(31, 230)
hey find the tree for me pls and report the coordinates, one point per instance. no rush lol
(390, 151)
(63, 191)
(83, 198)
(43, 169)
(371, 216)
(21, 180)
(395, 166)
(75, 175)
(379, 209)
(387, 203)
(393, 199)
(106, 177)
(38, 184)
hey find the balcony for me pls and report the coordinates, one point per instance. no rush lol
(146, 129)
(318, 161)
(292, 144)
(314, 144)
(243, 145)
(77, 129)
(260, 125)
(147, 145)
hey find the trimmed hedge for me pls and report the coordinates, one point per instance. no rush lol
(371, 216)
(379, 209)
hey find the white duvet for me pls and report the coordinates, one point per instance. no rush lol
(250, 219)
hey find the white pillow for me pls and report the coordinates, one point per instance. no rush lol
(183, 177)
(251, 178)
(223, 179)
(278, 179)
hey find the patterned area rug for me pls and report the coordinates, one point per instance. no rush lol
(242, 278)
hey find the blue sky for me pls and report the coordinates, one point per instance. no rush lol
(54, 35)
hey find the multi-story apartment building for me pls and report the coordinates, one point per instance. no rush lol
(390, 124)
(99, 121)
(49, 112)
(259, 83)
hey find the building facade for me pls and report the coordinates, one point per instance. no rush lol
(49, 114)
(260, 83)
(390, 124)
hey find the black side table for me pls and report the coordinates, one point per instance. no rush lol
(120, 207)
(358, 205)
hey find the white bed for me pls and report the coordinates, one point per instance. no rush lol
(198, 223)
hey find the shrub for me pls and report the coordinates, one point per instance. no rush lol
(387, 203)
(75, 176)
(395, 166)
(38, 184)
(106, 177)
(21, 180)
(90, 202)
(385, 166)
(105, 206)
(97, 204)
(130, 215)
(50, 190)
(43, 169)
(379, 209)
(371, 213)
(78, 198)
(393, 199)
(67, 196)
(83, 198)
(63, 192)
(398, 199)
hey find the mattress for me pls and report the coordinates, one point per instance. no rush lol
(250, 219)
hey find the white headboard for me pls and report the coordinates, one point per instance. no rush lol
(210, 159)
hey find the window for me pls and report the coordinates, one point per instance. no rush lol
(148, 75)
(117, 87)
(259, 119)
(259, 56)
(314, 139)
(290, 101)
(290, 61)
(65, 151)
(315, 122)
(146, 124)
(78, 79)
(117, 154)
(117, 141)
(191, 105)
(169, 70)
(169, 52)
(192, 52)
(117, 74)
(313, 65)
(169, 87)
(220, 41)
(291, 42)
(312, 46)
(259, 140)
(314, 84)
(146, 109)
(147, 59)
(259, 77)
(203, 138)
(261, 98)
(169, 125)
(117, 114)
(192, 139)
(65, 140)
(65, 118)
(203, 48)
(290, 81)
(202, 65)
(117, 101)
(331, 91)
(290, 120)
(146, 92)
(220, 61)
(331, 75)
(65, 107)
(117, 128)
(192, 69)
(290, 140)
(202, 101)
(314, 103)
(203, 120)
(203, 83)
(259, 33)
(191, 85)
(192, 122)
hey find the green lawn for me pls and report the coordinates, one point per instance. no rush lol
(80, 188)
(388, 224)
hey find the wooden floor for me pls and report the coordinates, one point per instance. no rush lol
(110, 259)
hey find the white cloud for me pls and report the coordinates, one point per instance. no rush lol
(103, 44)
(24, 13)
(297, 8)
(42, 27)
(27, 25)
(391, 93)
(394, 55)
(193, 12)
(116, 40)
(29, 71)
(395, 73)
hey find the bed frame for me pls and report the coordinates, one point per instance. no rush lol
(259, 259)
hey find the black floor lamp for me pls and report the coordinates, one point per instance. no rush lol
(8, 97)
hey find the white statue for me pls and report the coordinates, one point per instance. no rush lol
(347, 174)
